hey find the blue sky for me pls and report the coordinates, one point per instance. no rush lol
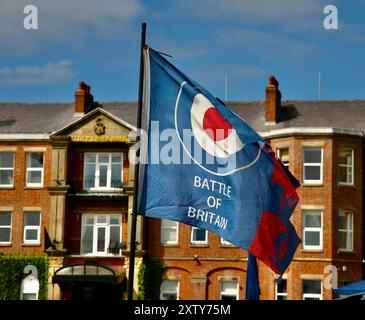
(98, 42)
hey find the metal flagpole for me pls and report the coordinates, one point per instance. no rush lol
(136, 170)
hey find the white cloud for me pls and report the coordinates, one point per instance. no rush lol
(60, 22)
(49, 73)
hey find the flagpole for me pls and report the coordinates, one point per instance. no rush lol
(136, 169)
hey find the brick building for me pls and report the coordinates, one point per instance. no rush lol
(64, 168)
(322, 144)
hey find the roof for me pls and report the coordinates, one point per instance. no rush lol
(47, 118)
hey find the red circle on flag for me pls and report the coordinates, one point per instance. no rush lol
(215, 125)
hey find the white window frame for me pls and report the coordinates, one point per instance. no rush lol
(165, 227)
(313, 295)
(229, 280)
(351, 230)
(97, 225)
(226, 243)
(192, 241)
(178, 289)
(310, 181)
(278, 152)
(312, 229)
(97, 171)
(8, 169)
(29, 169)
(281, 294)
(351, 183)
(38, 228)
(7, 227)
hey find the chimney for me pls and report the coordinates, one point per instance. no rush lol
(273, 101)
(83, 98)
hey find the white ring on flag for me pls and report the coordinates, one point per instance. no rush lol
(221, 148)
(192, 158)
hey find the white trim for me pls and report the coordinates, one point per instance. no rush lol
(38, 228)
(173, 292)
(8, 169)
(281, 294)
(96, 225)
(228, 280)
(313, 229)
(347, 231)
(24, 136)
(175, 227)
(90, 114)
(7, 226)
(192, 241)
(312, 164)
(34, 169)
(97, 171)
(309, 131)
(346, 166)
(312, 295)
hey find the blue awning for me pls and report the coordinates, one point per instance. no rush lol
(353, 288)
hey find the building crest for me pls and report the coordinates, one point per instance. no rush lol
(99, 127)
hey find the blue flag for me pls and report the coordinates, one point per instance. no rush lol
(206, 167)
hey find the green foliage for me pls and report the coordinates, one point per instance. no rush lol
(11, 275)
(149, 279)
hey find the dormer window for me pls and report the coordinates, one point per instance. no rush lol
(103, 171)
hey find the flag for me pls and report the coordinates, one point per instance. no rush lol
(206, 167)
(252, 283)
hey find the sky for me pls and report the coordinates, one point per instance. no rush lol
(247, 40)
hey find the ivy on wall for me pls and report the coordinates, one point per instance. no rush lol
(11, 275)
(150, 279)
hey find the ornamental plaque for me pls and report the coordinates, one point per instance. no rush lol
(99, 127)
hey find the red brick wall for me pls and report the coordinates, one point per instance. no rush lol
(19, 197)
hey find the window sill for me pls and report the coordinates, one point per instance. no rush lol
(199, 245)
(34, 188)
(342, 184)
(340, 251)
(38, 244)
(7, 187)
(172, 245)
(312, 251)
(227, 246)
(307, 184)
(6, 244)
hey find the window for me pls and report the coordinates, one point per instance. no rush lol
(99, 233)
(345, 230)
(199, 236)
(283, 155)
(32, 227)
(346, 166)
(280, 289)
(29, 288)
(313, 165)
(312, 290)
(228, 290)
(34, 169)
(5, 227)
(225, 242)
(312, 230)
(6, 169)
(169, 290)
(169, 232)
(103, 171)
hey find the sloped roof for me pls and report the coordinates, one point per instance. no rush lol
(47, 118)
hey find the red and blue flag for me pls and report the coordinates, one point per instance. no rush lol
(206, 167)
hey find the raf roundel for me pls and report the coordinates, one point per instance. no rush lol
(211, 130)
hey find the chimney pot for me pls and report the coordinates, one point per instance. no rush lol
(273, 101)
